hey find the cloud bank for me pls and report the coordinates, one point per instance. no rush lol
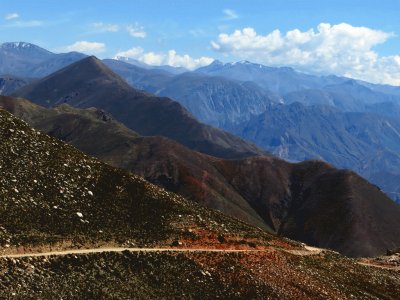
(87, 47)
(103, 27)
(170, 58)
(11, 16)
(136, 31)
(230, 14)
(340, 49)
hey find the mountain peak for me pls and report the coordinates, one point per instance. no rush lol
(91, 66)
(85, 79)
(21, 46)
(216, 62)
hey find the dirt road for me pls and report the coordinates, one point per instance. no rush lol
(100, 250)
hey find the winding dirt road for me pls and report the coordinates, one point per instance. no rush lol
(101, 250)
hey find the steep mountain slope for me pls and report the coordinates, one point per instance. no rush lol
(53, 194)
(90, 83)
(310, 201)
(9, 84)
(28, 60)
(318, 204)
(160, 160)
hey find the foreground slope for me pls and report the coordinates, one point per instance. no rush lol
(158, 159)
(52, 193)
(311, 201)
(54, 197)
(89, 83)
(200, 275)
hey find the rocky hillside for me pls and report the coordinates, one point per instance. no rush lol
(55, 198)
(311, 201)
(53, 194)
(158, 159)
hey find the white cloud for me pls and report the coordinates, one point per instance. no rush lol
(170, 58)
(24, 24)
(230, 14)
(136, 31)
(11, 16)
(102, 27)
(339, 49)
(87, 47)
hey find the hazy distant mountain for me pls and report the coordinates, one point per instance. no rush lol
(9, 84)
(310, 201)
(348, 96)
(170, 69)
(388, 182)
(28, 60)
(90, 83)
(344, 93)
(383, 88)
(214, 100)
(281, 80)
(149, 80)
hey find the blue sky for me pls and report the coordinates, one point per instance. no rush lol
(206, 29)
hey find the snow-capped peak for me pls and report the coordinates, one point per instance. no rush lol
(18, 45)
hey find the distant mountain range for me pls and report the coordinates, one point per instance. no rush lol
(214, 100)
(250, 100)
(90, 83)
(28, 60)
(169, 69)
(348, 123)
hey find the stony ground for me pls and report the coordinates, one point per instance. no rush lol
(200, 275)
